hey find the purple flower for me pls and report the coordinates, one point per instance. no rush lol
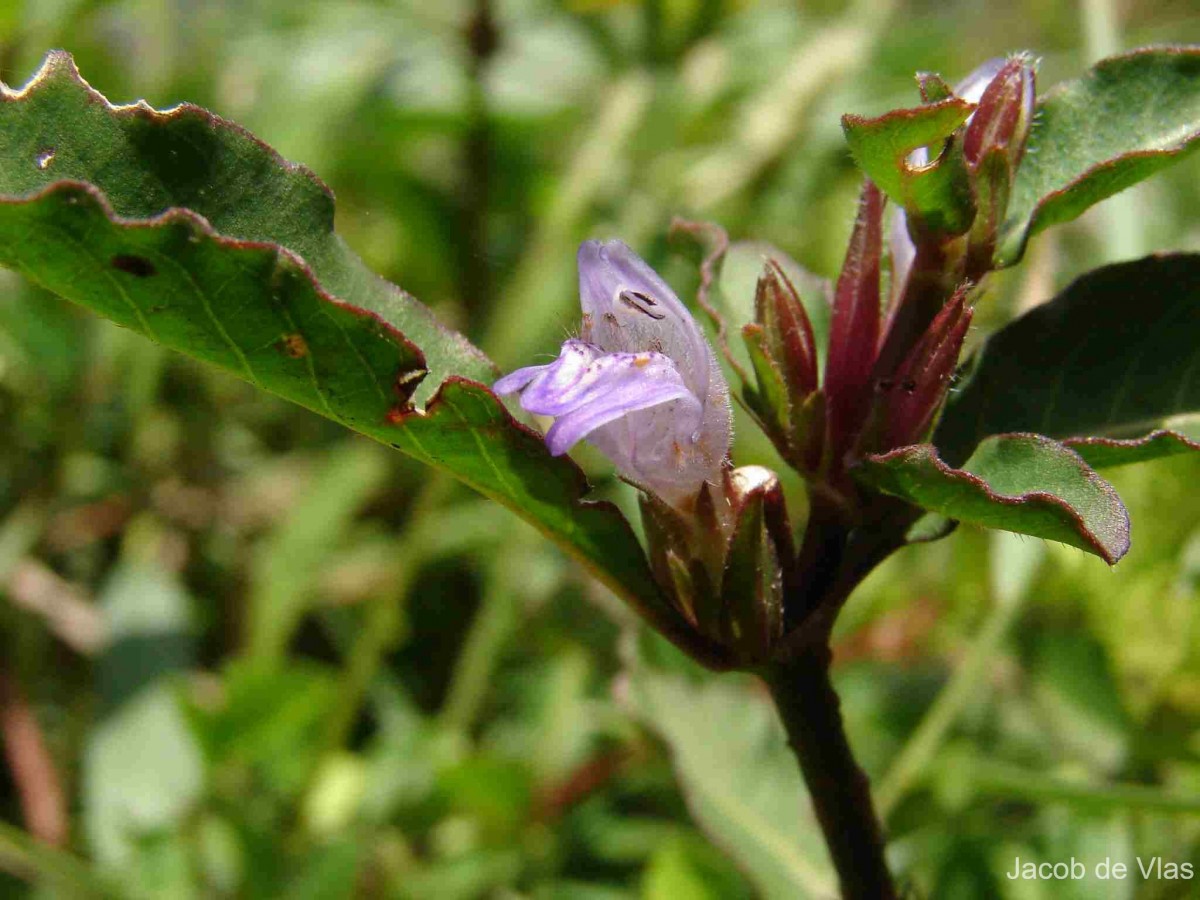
(640, 382)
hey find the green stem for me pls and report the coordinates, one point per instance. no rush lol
(482, 40)
(841, 794)
(381, 622)
(962, 689)
(1003, 780)
(1121, 217)
(22, 856)
(493, 624)
(380, 628)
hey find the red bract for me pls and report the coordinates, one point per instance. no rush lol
(854, 334)
(914, 397)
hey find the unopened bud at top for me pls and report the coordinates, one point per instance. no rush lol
(1004, 115)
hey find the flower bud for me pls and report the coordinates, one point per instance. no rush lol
(907, 404)
(854, 330)
(784, 356)
(993, 147)
(789, 334)
(759, 552)
(1004, 115)
(725, 572)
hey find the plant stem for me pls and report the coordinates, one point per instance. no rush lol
(1120, 220)
(964, 687)
(991, 778)
(494, 623)
(482, 39)
(841, 795)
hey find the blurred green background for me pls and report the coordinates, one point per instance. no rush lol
(245, 654)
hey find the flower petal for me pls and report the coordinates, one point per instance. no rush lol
(562, 385)
(588, 388)
(516, 381)
(608, 405)
(972, 87)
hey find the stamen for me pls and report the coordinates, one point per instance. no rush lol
(631, 298)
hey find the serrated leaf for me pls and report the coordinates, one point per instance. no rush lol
(740, 780)
(189, 230)
(936, 194)
(1114, 355)
(1127, 118)
(1024, 483)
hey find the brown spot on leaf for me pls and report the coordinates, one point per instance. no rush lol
(395, 416)
(137, 266)
(294, 345)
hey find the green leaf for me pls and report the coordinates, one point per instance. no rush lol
(1123, 121)
(142, 766)
(741, 782)
(329, 873)
(270, 721)
(1113, 356)
(1025, 483)
(938, 194)
(189, 230)
(1102, 452)
(671, 874)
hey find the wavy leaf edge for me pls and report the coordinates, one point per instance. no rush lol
(1015, 235)
(1044, 499)
(1137, 447)
(61, 62)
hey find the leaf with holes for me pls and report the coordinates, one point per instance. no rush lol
(935, 194)
(1127, 118)
(1102, 367)
(1025, 483)
(189, 230)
